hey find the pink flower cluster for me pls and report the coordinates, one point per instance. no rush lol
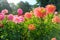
(39, 12)
(11, 17)
(16, 19)
(2, 14)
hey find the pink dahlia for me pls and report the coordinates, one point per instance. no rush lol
(18, 19)
(21, 18)
(19, 11)
(10, 17)
(1, 16)
(50, 9)
(28, 15)
(4, 11)
(39, 12)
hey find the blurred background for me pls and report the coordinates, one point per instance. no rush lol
(26, 5)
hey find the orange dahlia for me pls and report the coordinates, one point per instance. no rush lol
(31, 27)
(39, 12)
(28, 15)
(50, 9)
(56, 19)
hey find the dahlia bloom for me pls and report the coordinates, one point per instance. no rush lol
(4, 11)
(39, 12)
(50, 9)
(53, 39)
(18, 19)
(56, 19)
(31, 27)
(28, 15)
(10, 17)
(1, 16)
(21, 18)
(19, 11)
